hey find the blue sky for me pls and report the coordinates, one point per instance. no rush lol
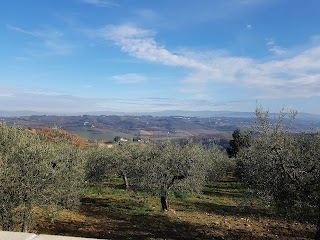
(142, 55)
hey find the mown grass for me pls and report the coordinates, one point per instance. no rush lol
(225, 210)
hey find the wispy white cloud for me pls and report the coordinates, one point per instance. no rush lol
(274, 48)
(277, 50)
(295, 76)
(270, 41)
(38, 33)
(129, 78)
(102, 3)
(45, 91)
(51, 41)
(6, 95)
(51, 101)
(20, 30)
(141, 44)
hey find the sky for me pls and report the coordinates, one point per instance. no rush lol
(66, 56)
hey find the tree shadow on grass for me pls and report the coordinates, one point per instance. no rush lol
(225, 210)
(223, 193)
(248, 204)
(102, 218)
(227, 188)
(100, 222)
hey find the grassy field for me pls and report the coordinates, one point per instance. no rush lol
(98, 133)
(223, 211)
(108, 135)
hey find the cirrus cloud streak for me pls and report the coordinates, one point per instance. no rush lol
(295, 76)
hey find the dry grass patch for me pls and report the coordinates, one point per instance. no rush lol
(222, 212)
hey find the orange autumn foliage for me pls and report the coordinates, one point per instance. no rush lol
(58, 135)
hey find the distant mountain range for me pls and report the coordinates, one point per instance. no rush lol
(18, 113)
(230, 114)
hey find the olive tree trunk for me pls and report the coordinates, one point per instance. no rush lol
(164, 192)
(125, 180)
(163, 198)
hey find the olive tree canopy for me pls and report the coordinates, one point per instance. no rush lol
(35, 173)
(283, 166)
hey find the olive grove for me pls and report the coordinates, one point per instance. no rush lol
(283, 166)
(46, 171)
(158, 167)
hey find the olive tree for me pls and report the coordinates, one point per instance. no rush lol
(121, 159)
(284, 167)
(67, 176)
(170, 165)
(99, 162)
(35, 173)
(127, 157)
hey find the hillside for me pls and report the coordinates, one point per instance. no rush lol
(107, 127)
